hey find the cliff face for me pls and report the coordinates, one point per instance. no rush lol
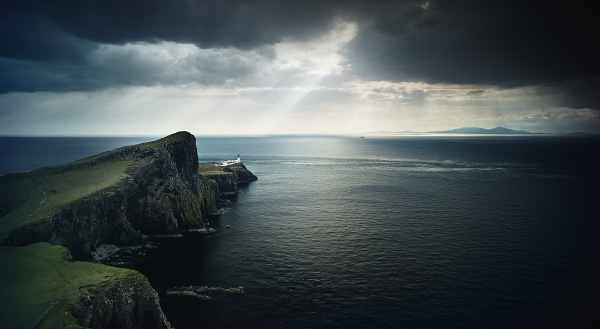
(225, 182)
(161, 193)
(241, 173)
(42, 288)
(229, 178)
(127, 303)
(113, 197)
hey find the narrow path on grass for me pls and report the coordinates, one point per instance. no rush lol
(32, 210)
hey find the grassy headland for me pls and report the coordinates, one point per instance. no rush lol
(208, 169)
(31, 197)
(35, 276)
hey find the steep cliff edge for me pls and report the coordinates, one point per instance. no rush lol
(113, 197)
(229, 178)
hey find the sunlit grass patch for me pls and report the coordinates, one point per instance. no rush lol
(207, 169)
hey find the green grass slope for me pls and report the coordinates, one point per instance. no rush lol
(41, 193)
(207, 169)
(35, 276)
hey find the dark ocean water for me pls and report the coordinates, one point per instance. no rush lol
(407, 232)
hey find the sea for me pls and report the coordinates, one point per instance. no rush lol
(380, 232)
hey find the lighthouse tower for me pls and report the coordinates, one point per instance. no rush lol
(238, 159)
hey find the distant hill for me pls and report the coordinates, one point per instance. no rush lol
(463, 130)
(386, 132)
(476, 130)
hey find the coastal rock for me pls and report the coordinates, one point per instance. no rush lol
(127, 303)
(41, 286)
(204, 292)
(241, 173)
(160, 193)
(115, 198)
(226, 183)
(229, 179)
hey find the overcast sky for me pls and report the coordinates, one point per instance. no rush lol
(153, 67)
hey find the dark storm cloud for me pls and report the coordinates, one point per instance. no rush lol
(502, 43)
(54, 45)
(476, 92)
(216, 23)
(497, 43)
(137, 65)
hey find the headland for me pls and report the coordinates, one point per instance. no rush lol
(116, 197)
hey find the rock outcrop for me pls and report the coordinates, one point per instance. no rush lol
(204, 292)
(241, 173)
(42, 286)
(127, 303)
(162, 193)
(111, 198)
(230, 178)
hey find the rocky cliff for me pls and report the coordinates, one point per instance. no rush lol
(160, 193)
(42, 288)
(114, 197)
(229, 179)
(128, 303)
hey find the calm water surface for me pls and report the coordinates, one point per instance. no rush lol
(407, 232)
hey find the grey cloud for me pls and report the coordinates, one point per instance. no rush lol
(497, 43)
(476, 92)
(502, 43)
(583, 93)
(386, 90)
(37, 38)
(56, 45)
(207, 24)
(415, 97)
(139, 65)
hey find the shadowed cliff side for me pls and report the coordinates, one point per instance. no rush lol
(228, 179)
(113, 197)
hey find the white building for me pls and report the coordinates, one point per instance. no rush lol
(226, 163)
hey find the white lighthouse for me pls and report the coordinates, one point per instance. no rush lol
(226, 163)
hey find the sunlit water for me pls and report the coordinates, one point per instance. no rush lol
(409, 232)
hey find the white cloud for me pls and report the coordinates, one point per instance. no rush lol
(289, 87)
(171, 63)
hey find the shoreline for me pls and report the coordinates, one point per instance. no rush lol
(159, 192)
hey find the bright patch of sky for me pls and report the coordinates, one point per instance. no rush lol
(291, 87)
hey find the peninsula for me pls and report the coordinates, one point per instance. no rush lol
(53, 215)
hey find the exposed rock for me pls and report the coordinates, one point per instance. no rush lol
(104, 251)
(128, 303)
(41, 286)
(241, 173)
(226, 183)
(204, 292)
(163, 194)
(157, 191)
(230, 178)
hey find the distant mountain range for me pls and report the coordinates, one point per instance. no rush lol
(463, 130)
(476, 130)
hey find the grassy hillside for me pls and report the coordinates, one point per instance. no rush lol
(35, 276)
(39, 194)
(210, 169)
